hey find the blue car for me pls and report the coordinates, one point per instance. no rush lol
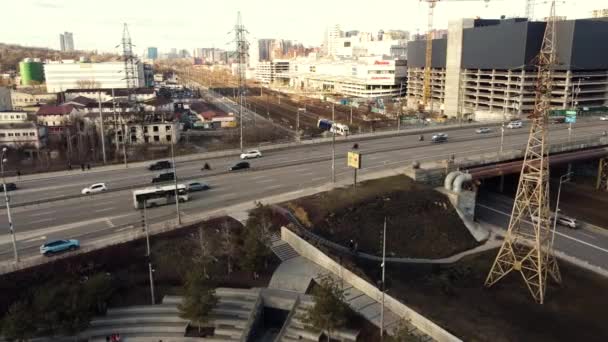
(59, 246)
(196, 186)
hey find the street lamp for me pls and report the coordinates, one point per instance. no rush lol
(563, 179)
(7, 200)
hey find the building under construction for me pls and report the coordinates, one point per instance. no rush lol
(484, 69)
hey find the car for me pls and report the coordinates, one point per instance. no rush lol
(515, 124)
(95, 188)
(197, 186)
(164, 177)
(566, 221)
(59, 246)
(439, 137)
(239, 166)
(604, 118)
(483, 130)
(160, 165)
(251, 154)
(9, 187)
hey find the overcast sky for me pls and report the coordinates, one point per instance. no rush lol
(97, 24)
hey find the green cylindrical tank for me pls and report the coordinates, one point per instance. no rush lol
(31, 70)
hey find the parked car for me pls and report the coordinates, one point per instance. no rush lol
(239, 166)
(95, 188)
(164, 177)
(197, 186)
(9, 187)
(604, 118)
(515, 124)
(483, 130)
(59, 246)
(439, 137)
(160, 165)
(251, 154)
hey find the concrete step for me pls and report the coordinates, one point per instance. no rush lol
(230, 292)
(235, 302)
(284, 251)
(303, 333)
(233, 312)
(136, 329)
(229, 331)
(229, 321)
(144, 309)
(147, 319)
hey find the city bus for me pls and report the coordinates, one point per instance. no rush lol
(160, 195)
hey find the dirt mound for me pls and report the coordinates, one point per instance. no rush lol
(421, 223)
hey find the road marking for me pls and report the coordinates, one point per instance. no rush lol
(588, 235)
(35, 239)
(258, 177)
(43, 220)
(109, 222)
(104, 209)
(125, 228)
(265, 180)
(42, 213)
(556, 232)
(274, 186)
(318, 179)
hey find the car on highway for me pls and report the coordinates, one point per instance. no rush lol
(515, 124)
(58, 246)
(604, 118)
(160, 165)
(439, 137)
(94, 188)
(198, 186)
(239, 166)
(9, 187)
(251, 154)
(483, 130)
(164, 177)
(566, 221)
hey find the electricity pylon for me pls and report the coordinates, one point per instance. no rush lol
(529, 249)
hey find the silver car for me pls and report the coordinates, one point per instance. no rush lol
(483, 130)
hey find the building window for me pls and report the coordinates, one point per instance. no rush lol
(32, 134)
(146, 139)
(120, 138)
(133, 129)
(155, 128)
(168, 138)
(2, 135)
(17, 134)
(156, 137)
(10, 134)
(167, 128)
(145, 129)
(133, 138)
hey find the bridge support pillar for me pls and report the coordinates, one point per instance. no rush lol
(602, 175)
(501, 186)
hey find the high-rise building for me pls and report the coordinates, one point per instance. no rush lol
(152, 53)
(333, 35)
(66, 41)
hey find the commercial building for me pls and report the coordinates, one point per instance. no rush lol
(31, 71)
(66, 41)
(366, 77)
(19, 130)
(70, 74)
(485, 68)
(272, 71)
(152, 53)
(31, 99)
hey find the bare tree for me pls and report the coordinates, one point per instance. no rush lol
(229, 243)
(88, 84)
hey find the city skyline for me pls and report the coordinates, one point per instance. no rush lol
(305, 24)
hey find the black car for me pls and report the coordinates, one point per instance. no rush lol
(439, 137)
(160, 165)
(164, 177)
(240, 166)
(9, 187)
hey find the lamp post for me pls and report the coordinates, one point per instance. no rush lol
(502, 136)
(7, 200)
(563, 179)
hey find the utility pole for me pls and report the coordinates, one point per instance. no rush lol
(502, 136)
(333, 144)
(7, 200)
(148, 252)
(383, 287)
(400, 107)
(103, 139)
(179, 215)
(124, 133)
(351, 113)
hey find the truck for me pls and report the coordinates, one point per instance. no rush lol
(325, 124)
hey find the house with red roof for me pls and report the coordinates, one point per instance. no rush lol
(57, 118)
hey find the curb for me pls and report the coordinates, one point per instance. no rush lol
(594, 229)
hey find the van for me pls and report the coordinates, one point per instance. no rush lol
(515, 124)
(159, 165)
(164, 177)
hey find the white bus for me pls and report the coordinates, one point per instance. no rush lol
(160, 195)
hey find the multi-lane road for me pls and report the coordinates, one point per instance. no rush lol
(278, 171)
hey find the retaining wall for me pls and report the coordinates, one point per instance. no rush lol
(310, 252)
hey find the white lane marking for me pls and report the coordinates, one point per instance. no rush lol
(109, 222)
(318, 179)
(274, 186)
(258, 177)
(558, 233)
(42, 213)
(125, 228)
(43, 220)
(35, 239)
(104, 209)
(265, 180)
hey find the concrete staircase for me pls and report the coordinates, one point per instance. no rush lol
(295, 329)
(234, 313)
(281, 248)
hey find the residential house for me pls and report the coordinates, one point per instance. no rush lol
(30, 100)
(57, 118)
(19, 130)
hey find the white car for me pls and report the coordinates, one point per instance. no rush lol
(603, 118)
(515, 124)
(95, 188)
(251, 154)
(483, 130)
(566, 221)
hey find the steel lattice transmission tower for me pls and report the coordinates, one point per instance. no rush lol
(242, 48)
(130, 60)
(529, 249)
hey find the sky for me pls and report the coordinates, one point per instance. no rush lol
(187, 24)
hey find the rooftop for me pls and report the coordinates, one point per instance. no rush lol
(55, 110)
(108, 91)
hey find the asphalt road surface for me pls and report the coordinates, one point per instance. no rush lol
(89, 217)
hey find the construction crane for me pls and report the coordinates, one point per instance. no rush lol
(426, 90)
(528, 249)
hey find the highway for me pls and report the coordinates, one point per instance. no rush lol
(585, 245)
(279, 171)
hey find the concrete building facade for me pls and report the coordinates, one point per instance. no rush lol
(69, 74)
(272, 71)
(66, 41)
(6, 102)
(18, 130)
(488, 67)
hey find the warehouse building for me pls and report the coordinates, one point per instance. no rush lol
(485, 69)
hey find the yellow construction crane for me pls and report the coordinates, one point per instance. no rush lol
(426, 90)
